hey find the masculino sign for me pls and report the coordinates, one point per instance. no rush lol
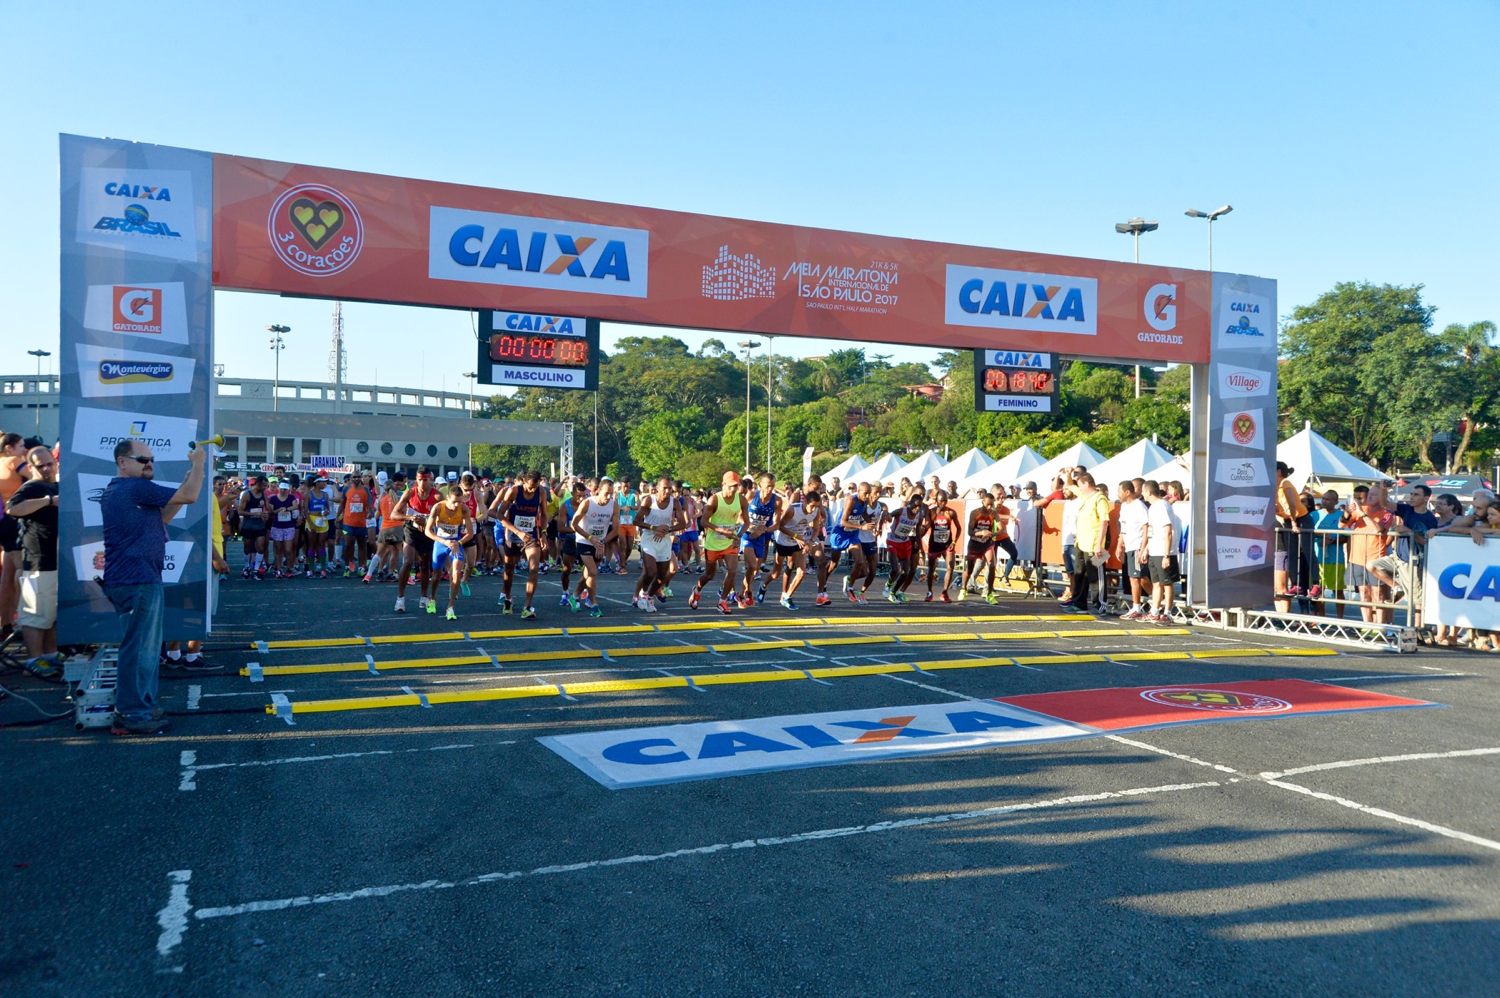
(428, 243)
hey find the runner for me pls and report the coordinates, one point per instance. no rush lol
(412, 508)
(567, 543)
(981, 549)
(252, 510)
(392, 536)
(628, 499)
(356, 503)
(469, 495)
(450, 528)
(659, 516)
(870, 517)
(908, 527)
(595, 524)
(319, 513)
(517, 515)
(798, 537)
(942, 544)
(724, 519)
(690, 555)
(285, 512)
(763, 510)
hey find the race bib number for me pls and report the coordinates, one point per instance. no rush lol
(446, 532)
(525, 524)
(283, 516)
(355, 506)
(940, 535)
(319, 522)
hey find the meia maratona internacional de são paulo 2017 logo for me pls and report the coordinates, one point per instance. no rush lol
(315, 230)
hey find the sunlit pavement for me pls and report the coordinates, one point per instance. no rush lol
(390, 846)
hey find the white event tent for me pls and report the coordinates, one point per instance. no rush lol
(1012, 469)
(1312, 455)
(851, 464)
(916, 469)
(1177, 469)
(1079, 455)
(876, 472)
(1132, 462)
(970, 462)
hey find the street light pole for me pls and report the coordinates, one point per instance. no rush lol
(747, 346)
(39, 354)
(277, 345)
(471, 375)
(1212, 216)
(770, 374)
(1134, 227)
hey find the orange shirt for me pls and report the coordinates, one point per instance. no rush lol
(356, 506)
(388, 517)
(10, 476)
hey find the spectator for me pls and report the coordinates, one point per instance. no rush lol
(1091, 538)
(34, 506)
(1329, 547)
(135, 537)
(12, 474)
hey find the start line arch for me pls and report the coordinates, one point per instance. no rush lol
(148, 232)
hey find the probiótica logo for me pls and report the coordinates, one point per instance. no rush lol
(524, 251)
(127, 372)
(315, 230)
(136, 310)
(1010, 299)
(1220, 701)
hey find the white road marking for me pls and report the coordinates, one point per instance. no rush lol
(173, 918)
(1175, 755)
(195, 693)
(1381, 760)
(1426, 826)
(282, 904)
(189, 779)
(1391, 675)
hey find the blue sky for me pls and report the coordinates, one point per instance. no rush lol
(1356, 141)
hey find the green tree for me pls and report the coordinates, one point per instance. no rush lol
(658, 442)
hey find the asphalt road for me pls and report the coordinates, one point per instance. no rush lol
(445, 850)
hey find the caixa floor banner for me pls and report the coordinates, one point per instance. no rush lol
(674, 753)
(1461, 585)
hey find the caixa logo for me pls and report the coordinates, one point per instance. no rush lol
(1458, 581)
(1012, 299)
(522, 251)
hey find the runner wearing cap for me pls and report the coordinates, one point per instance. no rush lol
(252, 511)
(284, 510)
(414, 506)
(595, 524)
(319, 516)
(450, 528)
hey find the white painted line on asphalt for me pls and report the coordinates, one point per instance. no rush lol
(1377, 812)
(1174, 755)
(173, 918)
(189, 771)
(195, 694)
(306, 900)
(1391, 675)
(1381, 760)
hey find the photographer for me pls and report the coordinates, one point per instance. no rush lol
(34, 504)
(135, 545)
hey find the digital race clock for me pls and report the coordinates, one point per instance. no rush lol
(1015, 381)
(538, 351)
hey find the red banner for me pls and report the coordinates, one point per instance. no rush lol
(1153, 706)
(281, 227)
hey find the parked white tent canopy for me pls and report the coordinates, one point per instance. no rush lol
(916, 469)
(970, 462)
(1177, 469)
(883, 466)
(1132, 462)
(1079, 455)
(1312, 455)
(1012, 469)
(846, 467)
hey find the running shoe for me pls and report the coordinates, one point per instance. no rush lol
(573, 603)
(963, 594)
(991, 599)
(1134, 613)
(595, 610)
(787, 603)
(900, 597)
(562, 600)
(666, 592)
(849, 592)
(432, 606)
(694, 596)
(823, 600)
(245, 572)
(400, 604)
(1316, 592)
(309, 573)
(463, 587)
(529, 613)
(324, 574)
(650, 605)
(928, 597)
(366, 580)
(505, 605)
(890, 597)
(945, 598)
(746, 602)
(452, 614)
(760, 595)
(724, 606)
(260, 573)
